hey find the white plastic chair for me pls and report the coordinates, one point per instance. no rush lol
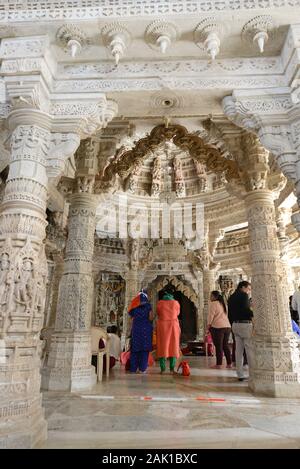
(98, 333)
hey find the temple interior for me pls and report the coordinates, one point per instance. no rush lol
(147, 145)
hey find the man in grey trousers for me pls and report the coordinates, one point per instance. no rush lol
(240, 316)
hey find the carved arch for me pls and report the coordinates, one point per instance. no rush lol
(194, 144)
(181, 286)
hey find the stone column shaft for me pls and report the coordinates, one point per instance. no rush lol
(57, 275)
(200, 306)
(69, 364)
(277, 365)
(131, 290)
(23, 271)
(209, 284)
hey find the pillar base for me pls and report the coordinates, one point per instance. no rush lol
(22, 425)
(69, 364)
(276, 384)
(69, 380)
(276, 368)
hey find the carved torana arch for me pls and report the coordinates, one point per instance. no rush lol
(194, 144)
(184, 288)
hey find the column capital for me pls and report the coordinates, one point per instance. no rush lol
(27, 69)
(83, 200)
(259, 196)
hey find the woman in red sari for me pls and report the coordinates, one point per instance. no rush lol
(168, 331)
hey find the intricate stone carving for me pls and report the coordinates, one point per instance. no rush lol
(272, 321)
(254, 164)
(160, 34)
(63, 146)
(259, 29)
(74, 302)
(23, 278)
(193, 143)
(133, 178)
(245, 66)
(87, 9)
(109, 300)
(22, 291)
(75, 298)
(18, 47)
(73, 38)
(179, 182)
(116, 38)
(201, 173)
(134, 253)
(156, 177)
(207, 35)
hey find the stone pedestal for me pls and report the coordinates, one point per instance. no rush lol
(23, 271)
(69, 365)
(277, 363)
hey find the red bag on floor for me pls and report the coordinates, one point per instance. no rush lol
(186, 371)
(150, 359)
(124, 356)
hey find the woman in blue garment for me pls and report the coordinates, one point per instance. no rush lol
(141, 332)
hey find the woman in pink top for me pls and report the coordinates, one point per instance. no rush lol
(219, 327)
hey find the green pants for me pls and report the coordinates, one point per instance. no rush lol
(162, 363)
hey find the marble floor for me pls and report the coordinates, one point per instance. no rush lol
(209, 409)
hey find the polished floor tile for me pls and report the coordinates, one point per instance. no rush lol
(209, 409)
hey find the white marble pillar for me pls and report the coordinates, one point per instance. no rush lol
(200, 309)
(69, 365)
(23, 271)
(282, 220)
(132, 286)
(277, 362)
(57, 275)
(209, 284)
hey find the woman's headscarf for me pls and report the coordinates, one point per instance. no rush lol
(168, 296)
(138, 300)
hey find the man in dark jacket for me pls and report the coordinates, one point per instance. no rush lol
(240, 316)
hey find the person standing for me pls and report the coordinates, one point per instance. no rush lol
(168, 331)
(140, 311)
(294, 302)
(219, 326)
(240, 316)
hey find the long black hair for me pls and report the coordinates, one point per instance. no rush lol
(218, 297)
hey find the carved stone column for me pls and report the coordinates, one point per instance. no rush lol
(69, 365)
(54, 287)
(131, 289)
(23, 270)
(277, 363)
(209, 284)
(283, 218)
(200, 319)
